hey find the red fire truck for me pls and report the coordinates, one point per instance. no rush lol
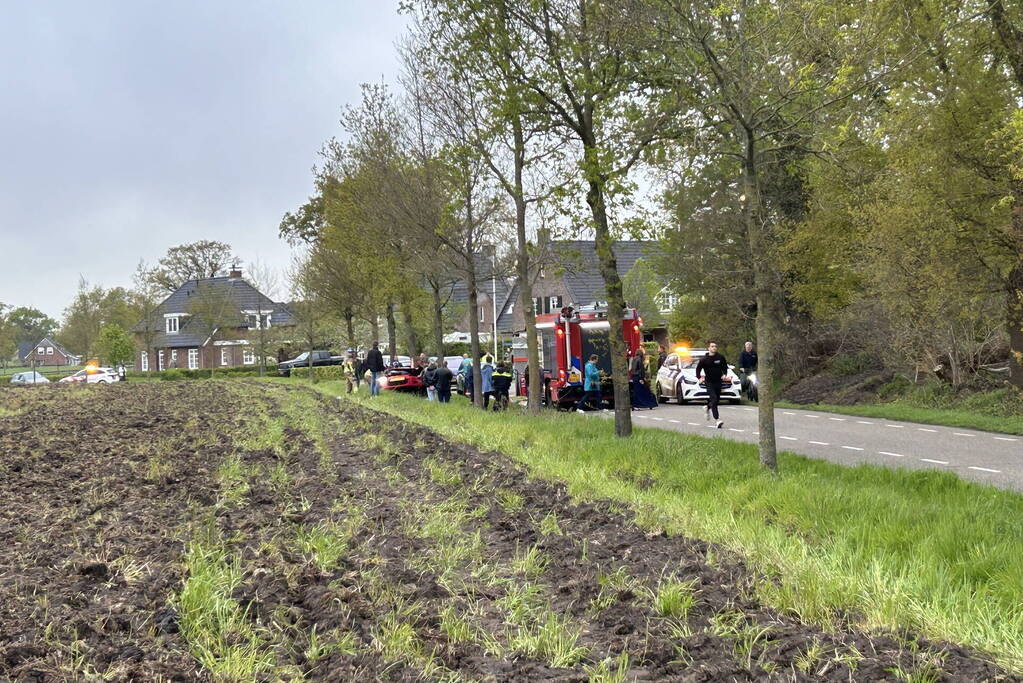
(569, 338)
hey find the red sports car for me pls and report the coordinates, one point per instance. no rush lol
(402, 379)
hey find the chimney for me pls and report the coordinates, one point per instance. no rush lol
(236, 272)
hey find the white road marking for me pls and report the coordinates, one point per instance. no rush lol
(693, 424)
(936, 462)
(643, 417)
(894, 455)
(863, 422)
(1004, 438)
(732, 429)
(675, 422)
(815, 417)
(750, 409)
(924, 429)
(820, 443)
(895, 426)
(788, 438)
(961, 434)
(787, 413)
(852, 448)
(659, 419)
(837, 419)
(985, 469)
(756, 433)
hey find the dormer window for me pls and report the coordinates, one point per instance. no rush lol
(258, 321)
(172, 325)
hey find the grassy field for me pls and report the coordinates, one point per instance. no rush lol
(884, 549)
(247, 530)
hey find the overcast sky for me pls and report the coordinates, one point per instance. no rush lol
(130, 127)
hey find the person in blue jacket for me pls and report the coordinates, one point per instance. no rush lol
(487, 378)
(591, 385)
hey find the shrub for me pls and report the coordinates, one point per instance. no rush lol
(172, 374)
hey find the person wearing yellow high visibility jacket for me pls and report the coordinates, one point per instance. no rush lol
(501, 381)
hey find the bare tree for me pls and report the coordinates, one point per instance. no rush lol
(194, 261)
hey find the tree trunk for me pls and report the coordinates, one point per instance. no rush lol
(1014, 323)
(350, 328)
(392, 327)
(410, 330)
(767, 310)
(438, 321)
(522, 263)
(374, 325)
(615, 299)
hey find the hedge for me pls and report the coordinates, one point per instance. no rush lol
(181, 373)
(320, 372)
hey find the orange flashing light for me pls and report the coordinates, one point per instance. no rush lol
(681, 349)
(561, 332)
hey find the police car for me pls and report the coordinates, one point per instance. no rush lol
(676, 379)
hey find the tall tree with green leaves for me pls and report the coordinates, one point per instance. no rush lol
(580, 62)
(193, 261)
(114, 346)
(465, 52)
(762, 78)
(29, 325)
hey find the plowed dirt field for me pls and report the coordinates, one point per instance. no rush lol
(242, 530)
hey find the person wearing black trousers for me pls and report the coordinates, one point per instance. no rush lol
(712, 368)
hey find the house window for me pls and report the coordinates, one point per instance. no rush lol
(553, 304)
(259, 321)
(41, 351)
(537, 305)
(145, 362)
(248, 358)
(193, 359)
(224, 355)
(667, 300)
(483, 314)
(172, 325)
(159, 360)
(49, 350)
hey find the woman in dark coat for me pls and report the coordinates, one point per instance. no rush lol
(639, 389)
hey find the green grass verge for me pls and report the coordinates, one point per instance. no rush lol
(896, 549)
(933, 416)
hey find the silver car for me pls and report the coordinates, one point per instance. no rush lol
(31, 377)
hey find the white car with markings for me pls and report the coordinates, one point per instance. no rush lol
(93, 375)
(676, 379)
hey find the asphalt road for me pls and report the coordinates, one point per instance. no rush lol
(986, 457)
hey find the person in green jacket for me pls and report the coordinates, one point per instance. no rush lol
(591, 385)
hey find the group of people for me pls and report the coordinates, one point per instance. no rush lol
(495, 381)
(496, 378)
(639, 386)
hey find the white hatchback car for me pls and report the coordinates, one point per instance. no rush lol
(677, 379)
(93, 376)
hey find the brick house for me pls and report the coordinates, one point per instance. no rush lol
(178, 340)
(49, 352)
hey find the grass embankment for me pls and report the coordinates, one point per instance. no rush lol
(932, 416)
(997, 410)
(889, 549)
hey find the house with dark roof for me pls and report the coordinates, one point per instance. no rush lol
(49, 352)
(493, 287)
(571, 276)
(177, 335)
